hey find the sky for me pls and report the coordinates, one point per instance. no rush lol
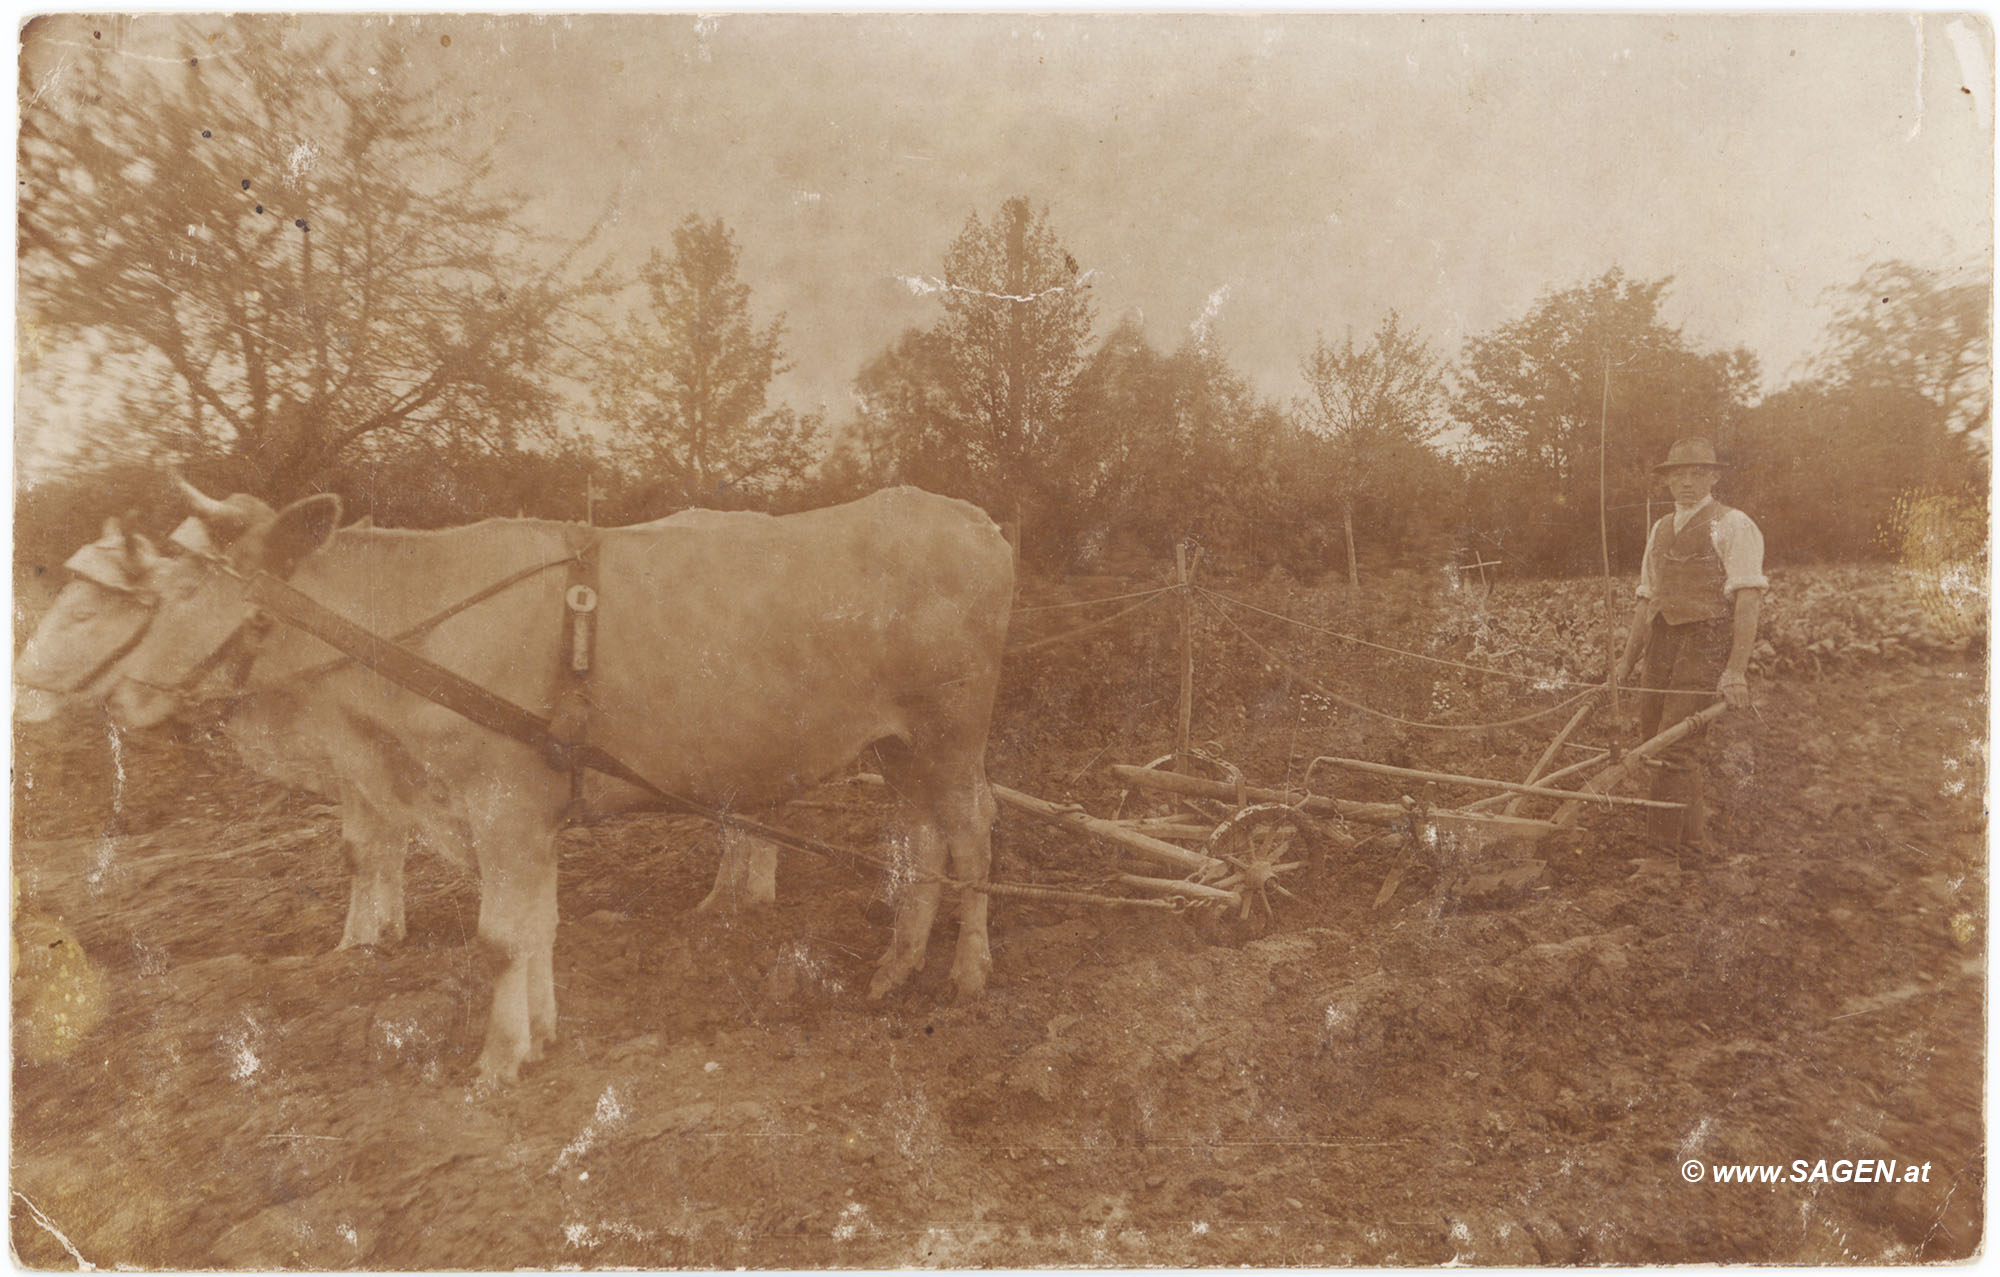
(1253, 181)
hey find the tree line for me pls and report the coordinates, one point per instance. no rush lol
(363, 313)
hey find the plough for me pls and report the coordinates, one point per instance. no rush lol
(1252, 839)
(1246, 840)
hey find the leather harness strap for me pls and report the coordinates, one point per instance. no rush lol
(402, 666)
(424, 627)
(496, 713)
(569, 721)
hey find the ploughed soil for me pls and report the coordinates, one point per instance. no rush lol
(1513, 1076)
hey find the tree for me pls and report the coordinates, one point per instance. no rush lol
(1244, 481)
(1127, 395)
(1904, 328)
(1378, 407)
(1159, 448)
(1896, 417)
(1831, 465)
(1205, 463)
(904, 430)
(1017, 321)
(283, 248)
(982, 405)
(687, 384)
(1573, 403)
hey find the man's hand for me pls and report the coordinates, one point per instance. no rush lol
(1735, 689)
(1621, 671)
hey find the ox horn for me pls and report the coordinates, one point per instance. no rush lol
(220, 513)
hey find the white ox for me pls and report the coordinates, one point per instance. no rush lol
(739, 659)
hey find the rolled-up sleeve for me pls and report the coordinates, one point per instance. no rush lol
(1741, 546)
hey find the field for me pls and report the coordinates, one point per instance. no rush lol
(1449, 1077)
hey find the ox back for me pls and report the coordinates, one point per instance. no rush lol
(740, 658)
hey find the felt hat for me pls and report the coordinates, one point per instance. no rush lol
(1692, 451)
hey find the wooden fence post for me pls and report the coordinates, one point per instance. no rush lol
(1184, 569)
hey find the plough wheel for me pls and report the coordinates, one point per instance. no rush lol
(1267, 846)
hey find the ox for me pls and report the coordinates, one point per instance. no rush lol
(740, 659)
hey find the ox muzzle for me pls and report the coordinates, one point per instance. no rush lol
(197, 646)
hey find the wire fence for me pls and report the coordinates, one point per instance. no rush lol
(1219, 605)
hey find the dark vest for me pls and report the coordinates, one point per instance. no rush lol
(1687, 572)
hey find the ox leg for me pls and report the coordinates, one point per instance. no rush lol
(918, 864)
(748, 874)
(967, 815)
(950, 814)
(517, 920)
(376, 848)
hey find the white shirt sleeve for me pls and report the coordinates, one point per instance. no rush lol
(1741, 547)
(1646, 582)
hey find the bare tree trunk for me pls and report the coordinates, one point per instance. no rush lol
(1347, 526)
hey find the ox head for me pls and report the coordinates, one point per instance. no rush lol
(97, 618)
(200, 600)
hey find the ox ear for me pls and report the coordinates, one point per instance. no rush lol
(299, 529)
(103, 564)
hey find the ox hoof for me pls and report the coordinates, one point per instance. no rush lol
(968, 987)
(885, 982)
(492, 1076)
(379, 940)
(502, 1067)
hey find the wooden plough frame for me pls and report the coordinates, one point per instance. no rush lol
(1244, 856)
(1236, 868)
(1237, 877)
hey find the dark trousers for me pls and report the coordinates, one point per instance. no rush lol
(1688, 660)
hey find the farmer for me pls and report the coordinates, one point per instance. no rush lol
(1700, 587)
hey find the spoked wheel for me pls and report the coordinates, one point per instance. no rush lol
(1266, 846)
